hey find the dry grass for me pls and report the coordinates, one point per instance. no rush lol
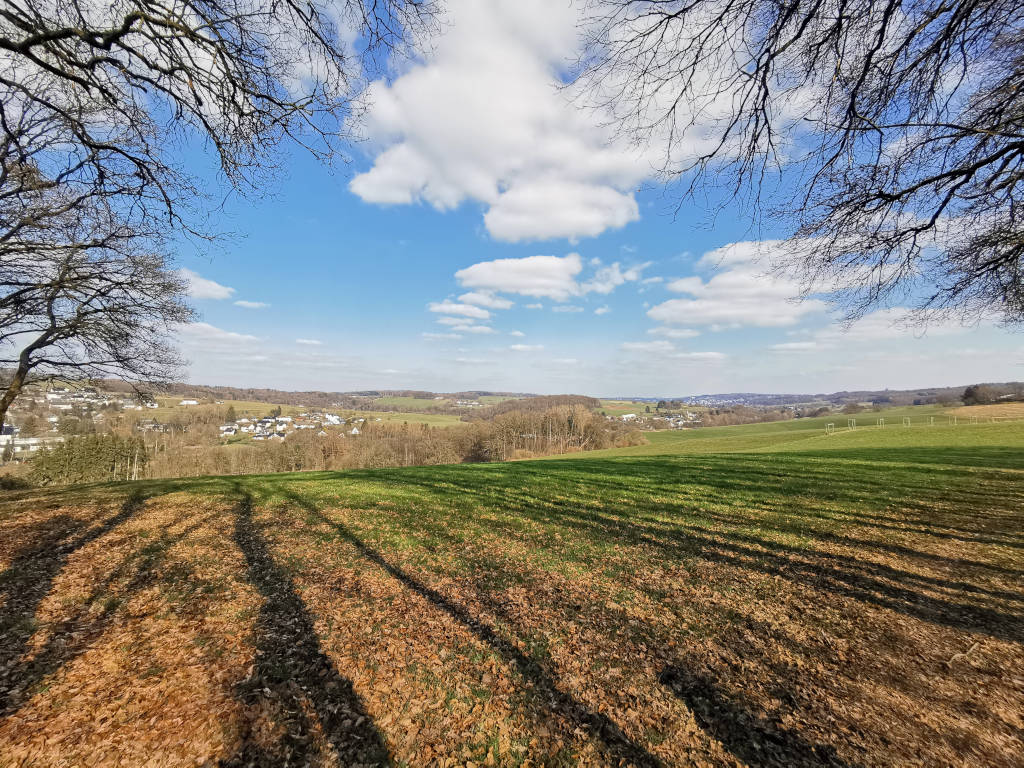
(998, 410)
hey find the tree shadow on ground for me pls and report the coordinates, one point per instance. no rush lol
(74, 636)
(752, 739)
(680, 532)
(24, 586)
(297, 703)
(612, 740)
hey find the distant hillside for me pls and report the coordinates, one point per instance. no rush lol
(922, 396)
(357, 400)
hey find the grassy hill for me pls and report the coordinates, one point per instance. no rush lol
(762, 595)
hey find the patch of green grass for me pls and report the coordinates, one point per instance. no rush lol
(420, 403)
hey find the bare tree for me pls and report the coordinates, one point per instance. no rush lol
(95, 101)
(896, 129)
(245, 75)
(84, 291)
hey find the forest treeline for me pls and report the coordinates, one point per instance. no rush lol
(515, 434)
(536, 404)
(90, 459)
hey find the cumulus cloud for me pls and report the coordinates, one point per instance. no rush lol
(309, 342)
(439, 336)
(738, 294)
(603, 310)
(886, 324)
(707, 357)
(611, 277)
(795, 346)
(204, 332)
(526, 347)
(542, 167)
(550, 277)
(486, 299)
(200, 287)
(566, 308)
(550, 208)
(476, 329)
(518, 334)
(449, 307)
(535, 306)
(251, 304)
(648, 346)
(674, 333)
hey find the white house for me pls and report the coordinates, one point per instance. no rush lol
(354, 431)
(189, 402)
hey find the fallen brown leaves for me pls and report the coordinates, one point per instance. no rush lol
(192, 631)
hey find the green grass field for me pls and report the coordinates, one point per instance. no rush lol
(412, 402)
(433, 419)
(622, 407)
(756, 595)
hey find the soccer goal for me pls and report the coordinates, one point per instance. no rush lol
(881, 423)
(830, 428)
(952, 421)
(851, 424)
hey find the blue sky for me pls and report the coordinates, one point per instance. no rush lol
(488, 235)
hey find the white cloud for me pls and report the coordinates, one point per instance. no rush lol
(535, 306)
(486, 299)
(603, 310)
(652, 280)
(449, 307)
(526, 347)
(454, 321)
(204, 332)
(565, 360)
(201, 288)
(674, 333)
(251, 304)
(518, 334)
(648, 346)
(609, 278)
(550, 208)
(476, 329)
(709, 357)
(886, 324)
(566, 308)
(739, 294)
(482, 118)
(439, 336)
(795, 346)
(551, 277)
(309, 342)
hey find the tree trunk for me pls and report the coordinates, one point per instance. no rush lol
(13, 389)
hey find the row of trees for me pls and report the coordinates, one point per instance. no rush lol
(513, 435)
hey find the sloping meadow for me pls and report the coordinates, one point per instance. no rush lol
(845, 608)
